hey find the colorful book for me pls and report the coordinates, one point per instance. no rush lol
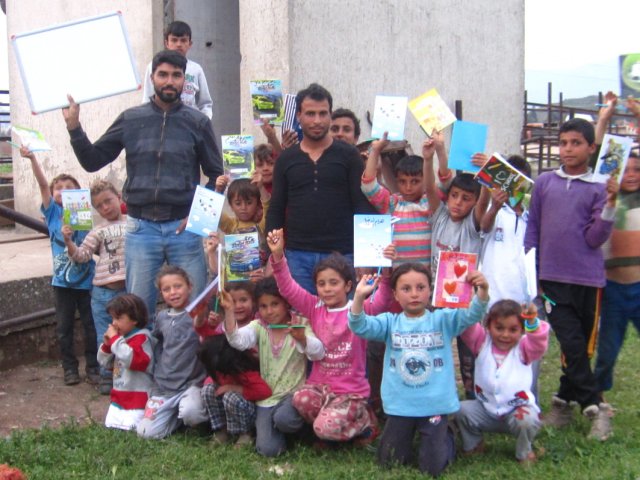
(32, 139)
(290, 120)
(612, 158)
(76, 209)
(266, 99)
(431, 112)
(499, 174)
(242, 256)
(389, 115)
(371, 235)
(201, 302)
(237, 155)
(205, 212)
(467, 139)
(451, 289)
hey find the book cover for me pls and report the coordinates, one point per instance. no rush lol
(266, 99)
(201, 302)
(290, 120)
(497, 173)
(237, 155)
(451, 289)
(76, 209)
(205, 212)
(32, 139)
(389, 115)
(612, 158)
(467, 139)
(371, 235)
(431, 112)
(242, 252)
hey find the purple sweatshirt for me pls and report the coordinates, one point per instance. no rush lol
(567, 225)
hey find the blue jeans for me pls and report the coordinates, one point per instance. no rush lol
(620, 303)
(148, 245)
(301, 265)
(100, 296)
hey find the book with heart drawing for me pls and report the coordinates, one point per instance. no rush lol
(451, 289)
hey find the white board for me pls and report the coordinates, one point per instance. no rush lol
(88, 59)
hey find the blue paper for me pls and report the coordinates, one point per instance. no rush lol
(389, 115)
(371, 235)
(467, 139)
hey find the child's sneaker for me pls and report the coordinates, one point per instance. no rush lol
(244, 439)
(71, 377)
(561, 413)
(219, 437)
(600, 416)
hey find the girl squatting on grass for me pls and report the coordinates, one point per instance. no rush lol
(418, 383)
(503, 378)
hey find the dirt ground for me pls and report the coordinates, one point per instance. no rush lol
(34, 395)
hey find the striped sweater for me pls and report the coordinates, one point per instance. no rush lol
(412, 232)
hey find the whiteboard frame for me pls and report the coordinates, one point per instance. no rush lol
(39, 76)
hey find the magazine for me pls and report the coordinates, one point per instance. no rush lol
(242, 256)
(205, 212)
(431, 112)
(76, 209)
(266, 99)
(451, 289)
(32, 139)
(237, 155)
(389, 115)
(612, 158)
(371, 235)
(498, 173)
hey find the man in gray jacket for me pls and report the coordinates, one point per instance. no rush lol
(166, 144)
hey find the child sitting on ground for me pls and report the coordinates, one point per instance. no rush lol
(335, 397)
(412, 233)
(237, 385)
(71, 281)
(284, 347)
(503, 378)
(243, 310)
(127, 350)
(106, 241)
(418, 386)
(178, 375)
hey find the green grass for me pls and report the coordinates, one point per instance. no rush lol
(6, 167)
(95, 452)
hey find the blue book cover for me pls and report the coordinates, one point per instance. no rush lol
(389, 115)
(371, 235)
(237, 155)
(242, 256)
(205, 212)
(467, 139)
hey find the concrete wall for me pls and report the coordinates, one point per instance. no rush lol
(469, 51)
(143, 19)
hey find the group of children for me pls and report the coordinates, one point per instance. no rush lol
(247, 369)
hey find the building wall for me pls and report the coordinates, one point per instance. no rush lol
(469, 51)
(143, 19)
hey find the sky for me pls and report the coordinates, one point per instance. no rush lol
(573, 43)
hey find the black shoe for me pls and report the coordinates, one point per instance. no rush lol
(93, 375)
(71, 377)
(105, 385)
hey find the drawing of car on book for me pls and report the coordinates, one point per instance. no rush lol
(263, 102)
(245, 260)
(233, 156)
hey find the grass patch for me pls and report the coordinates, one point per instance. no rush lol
(6, 167)
(94, 452)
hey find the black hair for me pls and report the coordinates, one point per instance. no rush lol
(218, 356)
(503, 309)
(235, 286)
(466, 182)
(171, 57)
(264, 152)
(346, 113)
(406, 268)
(519, 163)
(131, 305)
(314, 92)
(244, 189)
(410, 165)
(267, 286)
(581, 126)
(340, 264)
(178, 29)
(172, 270)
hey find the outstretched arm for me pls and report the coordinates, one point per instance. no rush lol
(428, 149)
(604, 116)
(43, 184)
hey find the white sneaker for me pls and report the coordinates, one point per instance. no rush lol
(600, 416)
